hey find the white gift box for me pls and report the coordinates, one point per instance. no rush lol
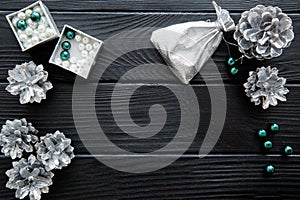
(82, 54)
(36, 32)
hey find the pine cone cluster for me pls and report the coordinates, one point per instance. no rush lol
(29, 178)
(55, 151)
(264, 86)
(29, 81)
(17, 136)
(263, 32)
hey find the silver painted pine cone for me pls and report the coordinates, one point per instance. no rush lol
(17, 136)
(55, 151)
(29, 177)
(29, 81)
(264, 86)
(263, 32)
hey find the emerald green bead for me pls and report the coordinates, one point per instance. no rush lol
(262, 133)
(35, 16)
(231, 61)
(66, 45)
(21, 24)
(270, 169)
(268, 145)
(288, 150)
(275, 127)
(70, 34)
(234, 71)
(64, 55)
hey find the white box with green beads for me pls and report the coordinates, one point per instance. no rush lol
(33, 25)
(76, 51)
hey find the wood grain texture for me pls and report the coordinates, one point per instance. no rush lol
(150, 5)
(187, 178)
(239, 134)
(106, 25)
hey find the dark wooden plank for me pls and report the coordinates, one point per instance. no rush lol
(238, 136)
(187, 178)
(150, 5)
(107, 25)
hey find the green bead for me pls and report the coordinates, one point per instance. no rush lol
(270, 169)
(66, 45)
(234, 71)
(275, 127)
(35, 16)
(231, 61)
(64, 55)
(21, 24)
(262, 133)
(268, 145)
(70, 34)
(288, 150)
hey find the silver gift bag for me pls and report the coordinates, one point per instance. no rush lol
(186, 47)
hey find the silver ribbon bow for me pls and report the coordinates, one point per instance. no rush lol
(186, 47)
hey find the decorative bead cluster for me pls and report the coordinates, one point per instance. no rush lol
(267, 144)
(32, 27)
(86, 47)
(32, 174)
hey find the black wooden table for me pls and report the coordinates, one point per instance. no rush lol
(233, 169)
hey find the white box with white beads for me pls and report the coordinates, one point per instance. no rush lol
(76, 51)
(33, 25)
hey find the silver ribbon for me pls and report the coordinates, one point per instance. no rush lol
(186, 47)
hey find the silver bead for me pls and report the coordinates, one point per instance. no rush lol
(28, 12)
(79, 63)
(92, 53)
(78, 38)
(96, 45)
(65, 63)
(84, 53)
(15, 20)
(73, 67)
(88, 47)
(81, 47)
(21, 15)
(85, 40)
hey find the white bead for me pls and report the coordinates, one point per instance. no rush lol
(28, 12)
(79, 63)
(41, 28)
(88, 47)
(49, 32)
(92, 53)
(27, 44)
(65, 63)
(96, 45)
(15, 20)
(58, 61)
(35, 33)
(34, 40)
(81, 47)
(28, 31)
(43, 21)
(19, 32)
(37, 9)
(23, 37)
(73, 67)
(42, 36)
(78, 38)
(85, 40)
(84, 53)
(73, 60)
(21, 15)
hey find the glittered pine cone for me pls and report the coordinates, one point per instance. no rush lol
(29, 81)
(264, 86)
(263, 32)
(17, 136)
(29, 178)
(55, 151)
